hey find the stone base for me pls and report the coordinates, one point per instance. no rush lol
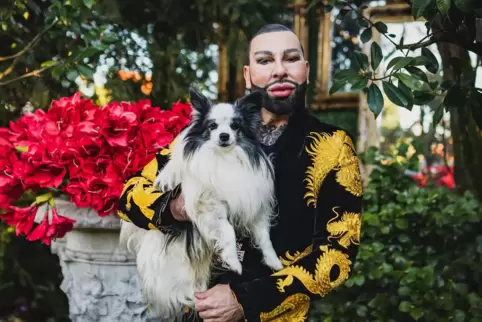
(100, 280)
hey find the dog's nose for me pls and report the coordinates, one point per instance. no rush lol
(224, 137)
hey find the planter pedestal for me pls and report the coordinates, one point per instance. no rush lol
(100, 280)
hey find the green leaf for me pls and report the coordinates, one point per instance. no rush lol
(408, 93)
(87, 53)
(71, 75)
(381, 27)
(418, 8)
(110, 38)
(362, 22)
(359, 280)
(360, 85)
(366, 35)
(404, 291)
(88, 3)
(402, 63)
(392, 62)
(376, 55)
(422, 98)
(404, 306)
(394, 94)
(21, 148)
(459, 316)
(410, 81)
(345, 74)
(86, 71)
(375, 99)
(443, 6)
(417, 72)
(433, 66)
(361, 59)
(401, 223)
(47, 63)
(465, 5)
(416, 313)
(438, 115)
(43, 198)
(420, 61)
(336, 87)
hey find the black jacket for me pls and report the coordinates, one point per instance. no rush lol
(316, 233)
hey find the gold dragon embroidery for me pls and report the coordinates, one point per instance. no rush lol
(290, 259)
(143, 194)
(320, 283)
(332, 152)
(346, 230)
(123, 216)
(293, 309)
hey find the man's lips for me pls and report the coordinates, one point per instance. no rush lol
(281, 90)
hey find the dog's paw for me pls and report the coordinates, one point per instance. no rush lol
(236, 267)
(233, 263)
(273, 263)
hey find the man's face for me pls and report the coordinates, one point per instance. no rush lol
(278, 67)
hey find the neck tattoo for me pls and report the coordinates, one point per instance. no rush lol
(268, 134)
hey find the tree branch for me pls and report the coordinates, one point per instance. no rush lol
(33, 73)
(29, 45)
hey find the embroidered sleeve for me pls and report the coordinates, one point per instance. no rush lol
(334, 190)
(141, 203)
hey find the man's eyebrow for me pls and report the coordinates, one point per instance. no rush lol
(269, 53)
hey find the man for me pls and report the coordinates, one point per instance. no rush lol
(318, 189)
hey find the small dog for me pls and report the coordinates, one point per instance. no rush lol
(227, 183)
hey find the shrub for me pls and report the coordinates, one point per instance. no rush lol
(419, 258)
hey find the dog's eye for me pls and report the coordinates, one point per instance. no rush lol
(234, 126)
(213, 126)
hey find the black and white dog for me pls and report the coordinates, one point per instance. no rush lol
(228, 188)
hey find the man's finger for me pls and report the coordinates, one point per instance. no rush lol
(202, 305)
(209, 314)
(201, 295)
(205, 294)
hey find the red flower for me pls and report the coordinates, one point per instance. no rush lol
(77, 190)
(21, 218)
(28, 128)
(82, 149)
(49, 230)
(39, 232)
(118, 123)
(59, 225)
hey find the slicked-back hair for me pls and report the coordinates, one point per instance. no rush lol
(274, 27)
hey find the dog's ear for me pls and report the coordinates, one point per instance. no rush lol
(199, 102)
(251, 102)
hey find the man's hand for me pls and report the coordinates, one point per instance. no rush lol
(176, 206)
(218, 305)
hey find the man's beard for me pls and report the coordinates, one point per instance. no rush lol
(295, 102)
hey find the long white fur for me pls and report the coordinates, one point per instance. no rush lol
(224, 195)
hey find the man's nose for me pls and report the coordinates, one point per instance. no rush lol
(279, 70)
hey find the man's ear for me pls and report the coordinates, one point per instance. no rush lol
(251, 101)
(199, 102)
(247, 77)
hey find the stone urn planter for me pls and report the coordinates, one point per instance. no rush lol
(100, 279)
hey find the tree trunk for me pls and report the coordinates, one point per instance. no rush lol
(467, 137)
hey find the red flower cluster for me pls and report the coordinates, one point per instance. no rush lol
(441, 176)
(84, 150)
